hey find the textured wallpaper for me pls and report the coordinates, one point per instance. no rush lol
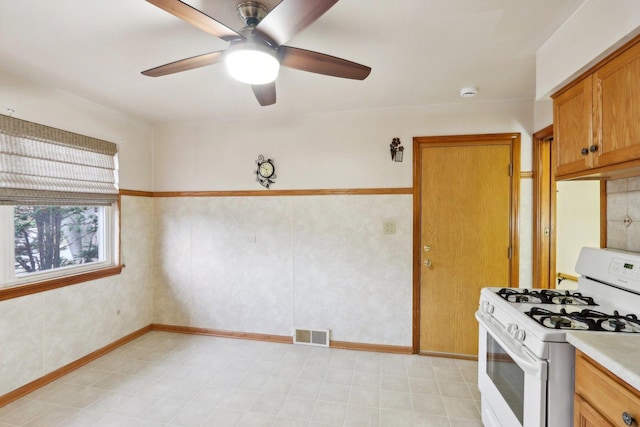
(271, 264)
(48, 330)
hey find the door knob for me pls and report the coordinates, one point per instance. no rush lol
(427, 263)
(427, 248)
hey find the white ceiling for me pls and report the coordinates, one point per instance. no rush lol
(420, 51)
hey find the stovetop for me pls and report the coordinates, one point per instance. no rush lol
(607, 301)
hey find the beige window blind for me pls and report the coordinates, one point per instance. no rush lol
(41, 165)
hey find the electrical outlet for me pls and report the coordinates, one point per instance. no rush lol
(389, 227)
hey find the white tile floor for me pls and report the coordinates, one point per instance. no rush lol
(166, 379)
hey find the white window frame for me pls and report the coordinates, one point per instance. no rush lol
(109, 242)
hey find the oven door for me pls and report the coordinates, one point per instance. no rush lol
(512, 381)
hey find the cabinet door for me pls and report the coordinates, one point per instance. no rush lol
(584, 415)
(572, 115)
(616, 88)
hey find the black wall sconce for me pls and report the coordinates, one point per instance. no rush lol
(396, 150)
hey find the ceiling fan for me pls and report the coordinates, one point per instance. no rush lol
(257, 51)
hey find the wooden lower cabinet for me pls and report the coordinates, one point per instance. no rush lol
(601, 398)
(585, 415)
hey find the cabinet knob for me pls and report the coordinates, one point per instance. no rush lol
(593, 148)
(584, 151)
(628, 419)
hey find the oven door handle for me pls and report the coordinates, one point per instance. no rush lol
(530, 364)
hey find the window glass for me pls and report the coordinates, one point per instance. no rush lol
(52, 237)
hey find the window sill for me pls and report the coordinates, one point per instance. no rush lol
(59, 282)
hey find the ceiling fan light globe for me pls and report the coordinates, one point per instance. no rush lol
(252, 66)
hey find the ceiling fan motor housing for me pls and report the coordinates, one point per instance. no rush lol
(252, 12)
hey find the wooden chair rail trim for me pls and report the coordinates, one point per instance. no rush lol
(58, 282)
(136, 193)
(60, 372)
(267, 193)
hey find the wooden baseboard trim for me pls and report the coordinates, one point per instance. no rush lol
(220, 333)
(60, 372)
(449, 355)
(379, 348)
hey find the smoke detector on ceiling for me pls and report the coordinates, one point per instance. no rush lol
(468, 92)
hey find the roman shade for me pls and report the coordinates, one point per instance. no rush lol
(41, 165)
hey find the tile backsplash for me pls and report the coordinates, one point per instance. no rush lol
(623, 214)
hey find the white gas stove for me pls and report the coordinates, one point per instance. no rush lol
(526, 366)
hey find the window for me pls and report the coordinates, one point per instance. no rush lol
(58, 197)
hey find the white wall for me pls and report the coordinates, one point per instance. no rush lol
(45, 331)
(596, 29)
(577, 221)
(59, 109)
(336, 150)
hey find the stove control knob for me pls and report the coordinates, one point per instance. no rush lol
(519, 334)
(512, 328)
(628, 419)
(487, 307)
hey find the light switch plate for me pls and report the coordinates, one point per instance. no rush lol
(389, 227)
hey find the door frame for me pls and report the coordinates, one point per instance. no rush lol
(513, 139)
(544, 211)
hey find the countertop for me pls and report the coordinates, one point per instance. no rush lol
(616, 352)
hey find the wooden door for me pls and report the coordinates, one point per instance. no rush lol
(544, 196)
(572, 118)
(616, 86)
(466, 208)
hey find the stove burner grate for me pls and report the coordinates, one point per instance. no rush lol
(586, 319)
(545, 296)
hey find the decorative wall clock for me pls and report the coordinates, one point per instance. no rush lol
(266, 171)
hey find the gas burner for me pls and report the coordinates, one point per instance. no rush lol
(521, 295)
(567, 298)
(614, 322)
(586, 319)
(545, 296)
(561, 320)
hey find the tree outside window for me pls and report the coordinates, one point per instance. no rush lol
(50, 237)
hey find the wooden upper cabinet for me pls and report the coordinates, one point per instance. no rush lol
(617, 108)
(597, 119)
(572, 127)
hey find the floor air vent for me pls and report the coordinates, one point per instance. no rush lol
(318, 337)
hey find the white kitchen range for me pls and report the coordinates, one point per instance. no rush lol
(525, 364)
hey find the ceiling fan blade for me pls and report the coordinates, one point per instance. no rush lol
(185, 64)
(290, 17)
(316, 62)
(197, 19)
(265, 94)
